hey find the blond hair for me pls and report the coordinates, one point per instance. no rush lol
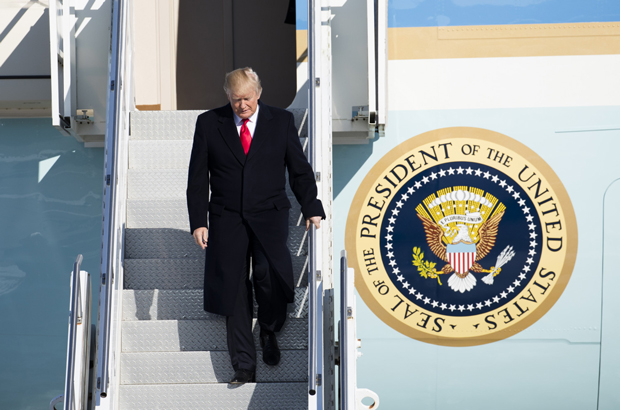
(241, 80)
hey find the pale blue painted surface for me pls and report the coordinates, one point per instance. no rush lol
(43, 227)
(610, 346)
(554, 364)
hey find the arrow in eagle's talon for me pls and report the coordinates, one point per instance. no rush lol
(488, 279)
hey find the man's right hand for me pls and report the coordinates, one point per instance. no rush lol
(201, 236)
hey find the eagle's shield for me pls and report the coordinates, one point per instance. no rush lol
(461, 256)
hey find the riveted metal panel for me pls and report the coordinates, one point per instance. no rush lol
(164, 273)
(206, 367)
(218, 396)
(184, 304)
(156, 183)
(164, 125)
(161, 243)
(159, 154)
(200, 335)
(157, 213)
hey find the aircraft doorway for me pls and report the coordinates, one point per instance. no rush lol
(183, 49)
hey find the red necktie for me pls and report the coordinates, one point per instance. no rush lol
(246, 137)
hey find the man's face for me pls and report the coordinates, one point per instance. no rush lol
(244, 103)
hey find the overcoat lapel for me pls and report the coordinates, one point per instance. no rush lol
(262, 130)
(228, 130)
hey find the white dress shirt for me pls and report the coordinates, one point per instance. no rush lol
(251, 123)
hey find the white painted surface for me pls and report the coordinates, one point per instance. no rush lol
(155, 52)
(507, 82)
(18, 17)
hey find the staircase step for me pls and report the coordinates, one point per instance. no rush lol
(185, 273)
(164, 273)
(159, 213)
(199, 335)
(159, 154)
(162, 154)
(206, 367)
(169, 125)
(185, 304)
(156, 183)
(172, 213)
(161, 243)
(170, 243)
(220, 396)
(170, 184)
(180, 125)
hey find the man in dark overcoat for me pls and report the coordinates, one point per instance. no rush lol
(240, 155)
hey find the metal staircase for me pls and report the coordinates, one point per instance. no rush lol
(174, 354)
(156, 347)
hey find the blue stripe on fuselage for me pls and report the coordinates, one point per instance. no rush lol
(429, 13)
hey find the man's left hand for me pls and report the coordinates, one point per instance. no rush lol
(316, 220)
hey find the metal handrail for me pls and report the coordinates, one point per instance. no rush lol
(344, 336)
(75, 313)
(112, 135)
(312, 282)
(312, 314)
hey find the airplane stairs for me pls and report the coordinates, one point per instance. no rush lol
(173, 353)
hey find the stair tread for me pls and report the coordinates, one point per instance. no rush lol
(185, 273)
(172, 213)
(199, 335)
(180, 124)
(185, 304)
(173, 353)
(173, 243)
(216, 396)
(206, 367)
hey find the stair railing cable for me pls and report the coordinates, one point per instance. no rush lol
(113, 129)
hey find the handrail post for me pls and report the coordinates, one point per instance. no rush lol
(350, 395)
(112, 135)
(312, 312)
(344, 337)
(312, 135)
(69, 398)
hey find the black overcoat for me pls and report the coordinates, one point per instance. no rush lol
(246, 192)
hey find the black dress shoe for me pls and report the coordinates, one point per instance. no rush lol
(271, 351)
(243, 376)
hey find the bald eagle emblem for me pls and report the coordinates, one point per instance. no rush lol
(461, 226)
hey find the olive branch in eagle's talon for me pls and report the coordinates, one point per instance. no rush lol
(426, 268)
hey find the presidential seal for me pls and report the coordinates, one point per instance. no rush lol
(460, 237)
